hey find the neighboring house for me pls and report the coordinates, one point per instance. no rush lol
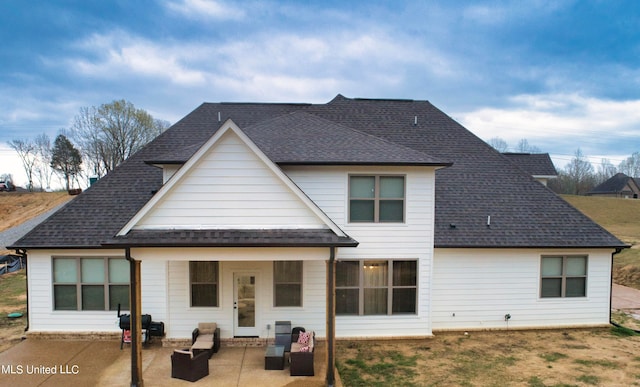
(618, 186)
(240, 212)
(538, 165)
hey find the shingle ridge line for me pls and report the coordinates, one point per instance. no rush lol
(315, 116)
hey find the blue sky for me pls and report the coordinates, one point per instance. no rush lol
(561, 74)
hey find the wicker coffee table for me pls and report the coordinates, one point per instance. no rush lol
(274, 357)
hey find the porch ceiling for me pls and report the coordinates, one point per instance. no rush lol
(232, 238)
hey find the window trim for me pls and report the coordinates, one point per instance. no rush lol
(300, 282)
(389, 286)
(106, 284)
(216, 283)
(377, 199)
(564, 276)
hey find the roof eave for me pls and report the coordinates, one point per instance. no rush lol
(467, 246)
(360, 163)
(126, 244)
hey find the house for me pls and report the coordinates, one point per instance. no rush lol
(618, 186)
(241, 213)
(538, 165)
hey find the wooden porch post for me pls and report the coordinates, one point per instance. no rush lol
(135, 306)
(331, 318)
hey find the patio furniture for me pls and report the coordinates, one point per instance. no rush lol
(188, 366)
(301, 356)
(274, 357)
(206, 338)
(283, 334)
(295, 332)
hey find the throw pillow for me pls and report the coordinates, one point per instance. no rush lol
(303, 337)
(304, 349)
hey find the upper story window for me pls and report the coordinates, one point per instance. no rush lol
(376, 199)
(564, 276)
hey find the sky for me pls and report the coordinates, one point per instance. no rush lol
(561, 74)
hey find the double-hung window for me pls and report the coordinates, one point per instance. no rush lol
(90, 283)
(376, 199)
(563, 276)
(287, 283)
(203, 281)
(376, 287)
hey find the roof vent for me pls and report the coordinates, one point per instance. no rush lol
(415, 120)
(219, 118)
(452, 226)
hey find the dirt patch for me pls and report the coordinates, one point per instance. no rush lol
(576, 357)
(17, 207)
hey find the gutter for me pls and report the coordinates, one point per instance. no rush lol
(618, 250)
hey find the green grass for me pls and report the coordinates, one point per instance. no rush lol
(13, 287)
(552, 357)
(622, 331)
(600, 363)
(589, 379)
(378, 368)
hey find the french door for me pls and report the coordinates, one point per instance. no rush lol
(244, 304)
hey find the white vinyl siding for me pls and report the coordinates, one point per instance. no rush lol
(411, 240)
(310, 315)
(476, 288)
(230, 187)
(42, 316)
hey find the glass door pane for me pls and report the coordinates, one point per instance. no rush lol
(246, 301)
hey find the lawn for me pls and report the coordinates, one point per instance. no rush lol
(621, 217)
(13, 291)
(570, 357)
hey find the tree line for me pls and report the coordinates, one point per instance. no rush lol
(579, 176)
(99, 139)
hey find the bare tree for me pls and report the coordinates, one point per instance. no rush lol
(111, 133)
(580, 174)
(605, 171)
(524, 147)
(631, 166)
(499, 144)
(42, 168)
(26, 150)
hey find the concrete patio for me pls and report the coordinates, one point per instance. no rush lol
(101, 363)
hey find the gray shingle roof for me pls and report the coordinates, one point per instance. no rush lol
(232, 238)
(480, 183)
(536, 164)
(616, 184)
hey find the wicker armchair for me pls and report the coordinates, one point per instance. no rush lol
(301, 357)
(206, 338)
(187, 367)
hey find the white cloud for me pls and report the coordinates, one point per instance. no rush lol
(206, 9)
(118, 53)
(554, 116)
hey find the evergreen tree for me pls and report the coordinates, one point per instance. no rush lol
(65, 159)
